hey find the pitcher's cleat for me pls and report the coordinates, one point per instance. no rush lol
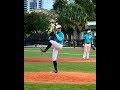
(42, 51)
(55, 71)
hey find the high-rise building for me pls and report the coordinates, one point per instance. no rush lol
(25, 5)
(31, 5)
(40, 3)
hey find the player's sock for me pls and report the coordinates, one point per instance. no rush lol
(48, 46)
(55, 65)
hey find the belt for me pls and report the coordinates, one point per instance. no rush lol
(87, 43)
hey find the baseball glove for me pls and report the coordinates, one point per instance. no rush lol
(93, 47)
(52, 34)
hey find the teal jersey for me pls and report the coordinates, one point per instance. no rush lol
(88, 39)
(59, 37)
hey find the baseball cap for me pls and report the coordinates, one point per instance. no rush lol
(88, 31)
(58, 26)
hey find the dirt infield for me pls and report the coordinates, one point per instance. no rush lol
(59, 60)
(60, 77)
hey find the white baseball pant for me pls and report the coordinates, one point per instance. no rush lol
(87, 48)
(56, 48)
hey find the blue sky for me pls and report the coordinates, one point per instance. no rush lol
(47, 4)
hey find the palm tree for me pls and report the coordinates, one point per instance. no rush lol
(89, 7)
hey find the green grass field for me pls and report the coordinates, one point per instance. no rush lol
(46, 86)
(64, 53)
(89, 67)
(76, 67)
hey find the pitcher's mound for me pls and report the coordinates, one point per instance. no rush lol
(60, 77)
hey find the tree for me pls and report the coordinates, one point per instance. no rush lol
(44, 22)
(25, 23)
(72, 18)
(94, 1)
(30, 22)
(59, 5)
(89, 8)
(35, 22)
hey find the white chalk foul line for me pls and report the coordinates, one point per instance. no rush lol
(59, 53)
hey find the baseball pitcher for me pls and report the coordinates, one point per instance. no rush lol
(56, 40)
